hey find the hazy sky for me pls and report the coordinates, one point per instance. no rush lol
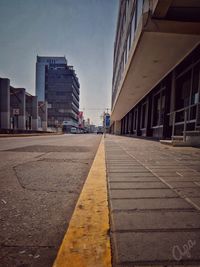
(82, 30)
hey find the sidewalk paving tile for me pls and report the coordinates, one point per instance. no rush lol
(176, 173)
(196, 200)
(130, 170)
(182, 178)
(137, 185)
(123, 178)
(149, 204)
(131, 174)
(154, 220)
(142, 193)
(156, 247)
(187, 184)
(189, 192)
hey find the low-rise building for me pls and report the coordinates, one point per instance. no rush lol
(18, 109)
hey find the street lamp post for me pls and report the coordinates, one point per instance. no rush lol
(106, 121)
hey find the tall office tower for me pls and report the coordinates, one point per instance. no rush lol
(156, 68)
(57, 83)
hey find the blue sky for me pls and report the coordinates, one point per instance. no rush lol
(82, 30)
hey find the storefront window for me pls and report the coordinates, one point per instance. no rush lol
(195, 85)
(135, 120)
(144, 115)
(156, 109)
(183, 85)
(162, 107)
(130, 122)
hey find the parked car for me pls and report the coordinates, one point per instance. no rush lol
(73, 130)
(99, 130)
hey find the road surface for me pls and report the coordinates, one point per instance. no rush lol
(41, 179)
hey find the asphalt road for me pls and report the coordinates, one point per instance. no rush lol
(41, 178)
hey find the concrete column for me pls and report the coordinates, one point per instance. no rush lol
(173, 92)
(131, 122)
(34, 113)
(138, 131)
(167, 130)
(22, 109)
(117, 127)
(148, 121)
(172, 98)
(43, 114)
(4, 103)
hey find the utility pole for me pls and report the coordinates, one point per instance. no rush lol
(104, 124)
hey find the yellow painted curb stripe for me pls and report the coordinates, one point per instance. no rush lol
(86, 242)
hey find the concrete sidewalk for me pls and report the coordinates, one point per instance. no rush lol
(28, 134)
(154, 198)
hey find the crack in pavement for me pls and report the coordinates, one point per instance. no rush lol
(40, 159)
(38, 190)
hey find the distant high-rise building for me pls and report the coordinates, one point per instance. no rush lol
(57, 83)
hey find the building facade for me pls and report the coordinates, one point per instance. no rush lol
(57, 83)
(156, 68)
(18, 109)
